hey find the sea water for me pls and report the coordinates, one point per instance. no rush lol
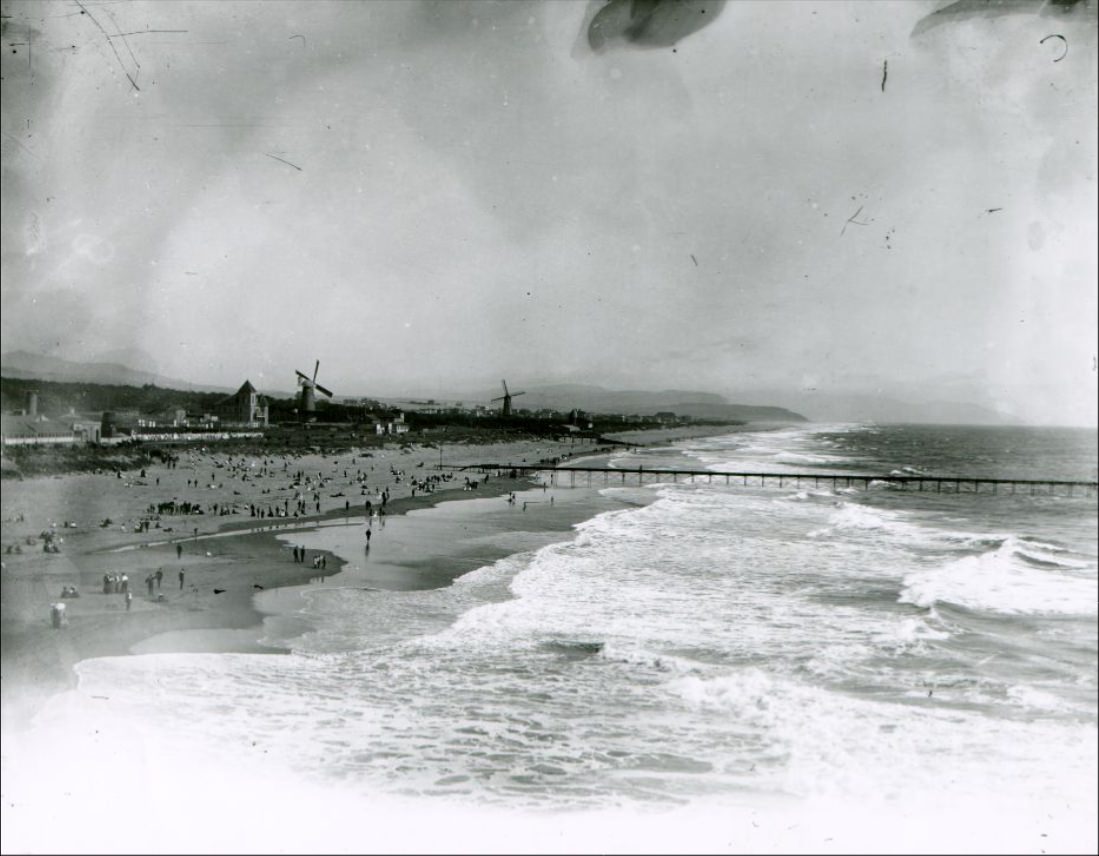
(695, 643)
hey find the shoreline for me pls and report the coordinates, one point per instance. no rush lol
(224, 566)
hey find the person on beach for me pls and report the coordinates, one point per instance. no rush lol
(124, 584)
(179, 551)
(181, 579)
(149, 584)
(159, 578)
(129, 600)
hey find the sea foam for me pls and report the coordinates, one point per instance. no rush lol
(1006, 580)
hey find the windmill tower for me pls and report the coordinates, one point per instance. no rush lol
(506, 398)
(309, 388)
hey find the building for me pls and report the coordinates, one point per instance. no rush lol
(24, 429)
(390, 423)
(83, 429)
(244, 407)
(173, 417)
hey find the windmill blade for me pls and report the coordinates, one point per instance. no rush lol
(316, 368)
(320, 388)
(515, 394)
(304, 377)
(505, 383)
(501, 398)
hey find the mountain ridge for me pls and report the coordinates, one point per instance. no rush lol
(25, 365)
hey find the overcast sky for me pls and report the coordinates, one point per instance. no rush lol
(437, 195)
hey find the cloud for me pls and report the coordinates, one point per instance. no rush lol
(476, 194)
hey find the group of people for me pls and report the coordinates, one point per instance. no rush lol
(301, 487)
(306, 487)
(320, 560)
(430, 483)
(116, 583)
(299, 554)
(51, 543)
(154, 579)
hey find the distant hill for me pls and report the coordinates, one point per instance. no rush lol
(597, 399)
(863, 407)
(27, 366)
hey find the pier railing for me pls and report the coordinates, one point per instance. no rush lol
(567, 476)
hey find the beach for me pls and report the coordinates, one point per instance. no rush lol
(225, 559)
(679, 666)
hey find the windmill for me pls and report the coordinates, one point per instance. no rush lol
(506, 398)
(309, 388)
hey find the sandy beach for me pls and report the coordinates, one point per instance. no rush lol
(213, 564)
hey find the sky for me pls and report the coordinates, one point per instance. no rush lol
(431, 196)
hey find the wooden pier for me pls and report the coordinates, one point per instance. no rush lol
(566, 476)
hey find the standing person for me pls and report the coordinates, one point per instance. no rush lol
(159, 577)
(149, 584)
(179, 551)
(129, 600)
(181, 579)
(124, 583)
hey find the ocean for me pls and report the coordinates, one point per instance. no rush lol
(687, 647)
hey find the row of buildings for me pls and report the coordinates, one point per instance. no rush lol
(244, 410)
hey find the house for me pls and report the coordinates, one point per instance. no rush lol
(244, 407)
(390, 423)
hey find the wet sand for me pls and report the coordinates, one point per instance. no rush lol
(225, 563)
